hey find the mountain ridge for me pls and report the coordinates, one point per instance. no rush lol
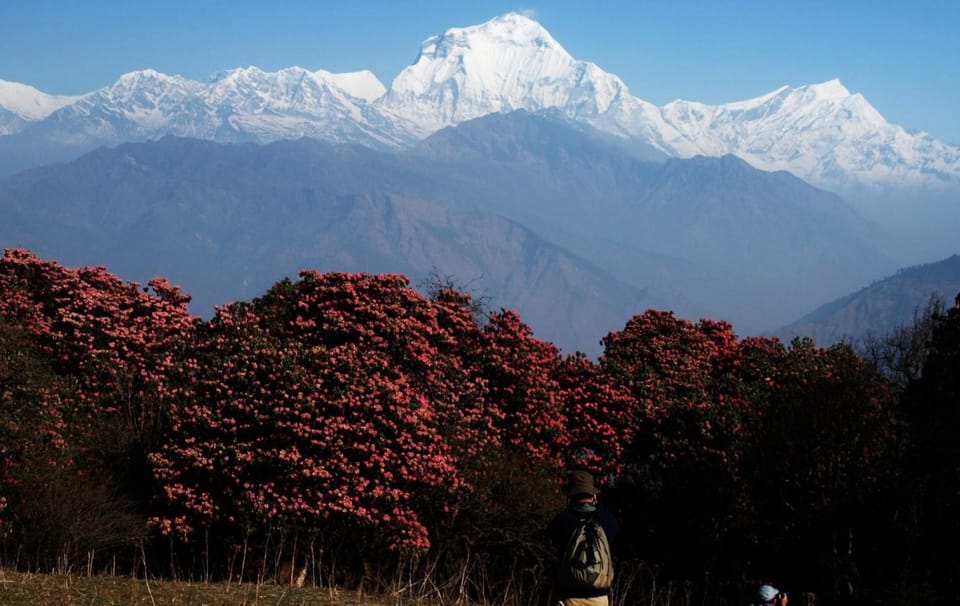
(821, 133)
(880, 307)
(706, 237)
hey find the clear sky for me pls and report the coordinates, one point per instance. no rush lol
(903, 56)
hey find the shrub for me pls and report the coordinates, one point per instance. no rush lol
(110, 354)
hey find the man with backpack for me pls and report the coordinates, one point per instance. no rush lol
(582, 534)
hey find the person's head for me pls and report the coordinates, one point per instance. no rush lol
(580, 487)
(770, 595)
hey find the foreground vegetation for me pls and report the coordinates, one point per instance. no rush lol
(28, 589)
(350, 430)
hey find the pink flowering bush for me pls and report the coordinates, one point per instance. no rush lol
(121, 344)
(688, 434)
(339, 398)
(601, 418)
(519, 372)
(348, 416)
(684, 375)
(112, 351)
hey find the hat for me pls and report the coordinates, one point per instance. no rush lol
(579, 482)
(766, 593)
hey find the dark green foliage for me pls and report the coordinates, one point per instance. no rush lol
(931, 409)
(817, 471)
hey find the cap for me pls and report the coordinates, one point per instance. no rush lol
(766, 593)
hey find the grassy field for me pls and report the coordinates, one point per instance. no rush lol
(69, 590)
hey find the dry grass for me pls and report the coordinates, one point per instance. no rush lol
(22, 589)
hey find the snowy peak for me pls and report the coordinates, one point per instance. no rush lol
(359, 85)
(243, 104)
(504, 35)
(818, 101)
(21, 104)
(511, 29)
(146, 78)
(505, 64)
(362, 85)
(147, 87)
(831, 90)
(821, 132)
(30, 103)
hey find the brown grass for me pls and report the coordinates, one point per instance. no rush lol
(24, 589)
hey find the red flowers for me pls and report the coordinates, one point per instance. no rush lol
(352, 397)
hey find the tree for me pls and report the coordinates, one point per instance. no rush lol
(901, 354)
(687, 436)
(823, 457)
(931, 410)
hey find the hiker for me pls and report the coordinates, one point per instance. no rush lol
(582, 534)
(768, 595)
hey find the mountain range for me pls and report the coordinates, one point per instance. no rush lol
(536, 179)
(820, 132)
(537, 214)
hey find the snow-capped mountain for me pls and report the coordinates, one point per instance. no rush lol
(821, 132)
(21, 104)
(294, 102)
(503, 65)
(245, 104)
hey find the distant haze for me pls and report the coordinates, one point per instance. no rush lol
(563, 227)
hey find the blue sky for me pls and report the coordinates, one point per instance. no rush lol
(904, 57)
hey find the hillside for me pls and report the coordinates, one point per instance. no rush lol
(881, 306)
(604, 235)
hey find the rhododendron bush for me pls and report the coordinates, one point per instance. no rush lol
(30, 420)
(683, 373)
(354, 413)
(519, 372)
(689, 433)
(112, 352)
(336, 398)
(601, 419)
(760, 432)
(121, 344)
(349, 396)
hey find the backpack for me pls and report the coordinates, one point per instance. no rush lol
(586, 561)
